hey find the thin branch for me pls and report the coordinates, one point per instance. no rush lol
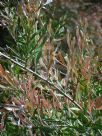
(60, 90)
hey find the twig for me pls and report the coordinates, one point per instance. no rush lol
(60, 90)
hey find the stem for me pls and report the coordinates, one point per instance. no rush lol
(60, 90)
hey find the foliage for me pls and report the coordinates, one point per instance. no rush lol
(50, 72)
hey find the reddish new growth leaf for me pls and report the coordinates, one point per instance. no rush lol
(85, 69)
(29, 84)
(1, 127)
(90, 106)
(96, 103)
(33, 97)
(17, 102)
(45, 104)
(55, 101)
(37, 100)
(23, 86)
